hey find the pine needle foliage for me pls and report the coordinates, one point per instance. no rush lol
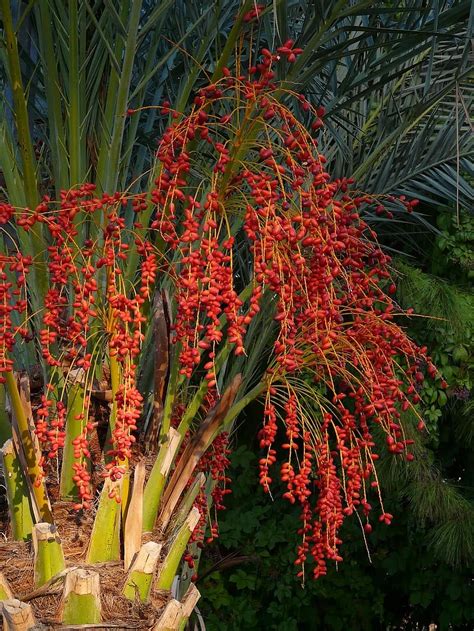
(434, 500)
(445, 305)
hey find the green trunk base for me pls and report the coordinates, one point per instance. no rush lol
(5, 591)
(81, 609)
(140, 576)
(104, 544)
(158, 476)
(17, 494)
(81, 598)
(169, 566)
(138, 586)
(49, 556)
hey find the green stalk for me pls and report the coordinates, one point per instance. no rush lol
(74, 429)
(24, 142)
(154, 173)
(49, 556)
(114, 385)
(17, 494)
(75, 150)
(192, 409)
(231, 39)
(133, 517)
(172, 560)
(194, 549)
(241, 404)
(107, 122)
(158, 476)
(187, 572)
(109, 160)
(115, 376)
(29, 449)
(195, 404)
(9, 166)
(140, 576)
(170, 393)
(19, 102)
(53, 96)
(81, 598)
(188, 500)
(104, 543)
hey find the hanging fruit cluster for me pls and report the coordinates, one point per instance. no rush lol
(239, 171)
(320, 261)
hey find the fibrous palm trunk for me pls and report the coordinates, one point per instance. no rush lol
(112, 567)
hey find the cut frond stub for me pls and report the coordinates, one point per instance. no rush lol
(81, 597)
(49, 556)
(140, 576)
(17, 616)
